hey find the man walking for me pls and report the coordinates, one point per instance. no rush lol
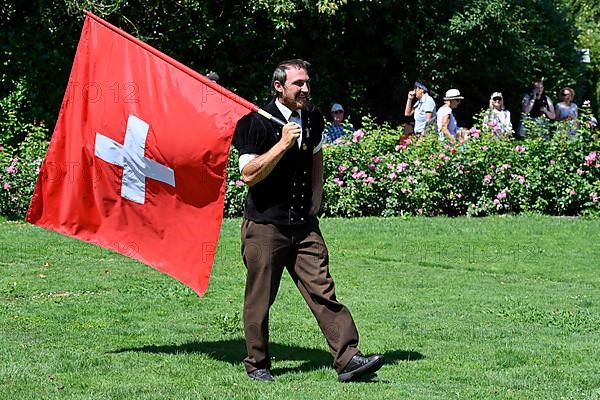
(283, 168)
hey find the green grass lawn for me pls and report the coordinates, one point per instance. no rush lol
(492, 308)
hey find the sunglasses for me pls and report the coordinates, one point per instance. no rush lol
(566, 94)
(497, 99)
(338, 112)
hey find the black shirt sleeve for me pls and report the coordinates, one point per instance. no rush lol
(317, 126)
(250, 135)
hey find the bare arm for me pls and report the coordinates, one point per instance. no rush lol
(445, 130)
(549, 111)
(260, 167)
(317, 183)
(409, 110)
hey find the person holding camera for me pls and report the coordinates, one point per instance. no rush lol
(537, 105)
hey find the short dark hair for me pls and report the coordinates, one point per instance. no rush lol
(280, 73)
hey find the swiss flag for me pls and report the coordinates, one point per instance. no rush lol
(138, 157)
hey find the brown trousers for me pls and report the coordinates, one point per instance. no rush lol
(267, 249)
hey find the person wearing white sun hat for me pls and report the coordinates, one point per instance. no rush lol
(447, 128)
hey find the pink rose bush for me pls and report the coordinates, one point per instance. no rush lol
(19, 168)
(375, 173)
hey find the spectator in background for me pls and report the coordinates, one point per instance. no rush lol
(446, 123)
(537, 106)
(337, 128)
(213, 76)
(423, 110)
(566, 109)
(536, 103)
(498, 117)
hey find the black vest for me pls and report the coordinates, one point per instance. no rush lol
(284, 196)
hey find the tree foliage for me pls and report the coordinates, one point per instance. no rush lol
(364, 54)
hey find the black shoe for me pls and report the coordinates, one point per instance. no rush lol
(263, 375)
(360, 366)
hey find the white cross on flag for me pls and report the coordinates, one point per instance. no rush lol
(130, 156)
(138, 157)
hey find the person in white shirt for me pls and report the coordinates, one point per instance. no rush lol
(446, 123)
(423, 110)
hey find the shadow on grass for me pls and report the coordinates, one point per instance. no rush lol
(233, 351)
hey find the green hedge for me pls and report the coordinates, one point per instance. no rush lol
(549, 172)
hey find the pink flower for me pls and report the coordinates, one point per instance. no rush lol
(521, 179)
(338, 181)
(594, 197)
(474, 132)
(239, 183)
(411, 179)
(370, 180)
(359, 175)
(390, 165)
(552, 162)
(417, 162)
(444, 157)
(6, 185)
(371, 166)
(12, 168)
(502, 194)
(572, 192)
(398, 147)
(590, 158)
(420, 211)
(496, 202)
(376, 160)
(459, 196)
(404, 190)
(342, 168)
(484, 148)
(487, 179)
(401, 167)
(520, 149)
(358, 135)
(579, 171)
(1, 148)
(393, 176)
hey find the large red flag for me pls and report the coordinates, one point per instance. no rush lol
(138, 157)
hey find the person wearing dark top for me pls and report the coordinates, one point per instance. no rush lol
(536, 103)
(283, 167)
(537, 106)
